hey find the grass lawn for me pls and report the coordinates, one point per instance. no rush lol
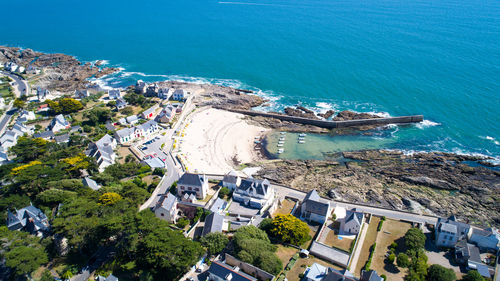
(333, 240)
(301, 265)
(313, 228)
(286, 207)
(370, 238)
(285, 253)
(391, 231)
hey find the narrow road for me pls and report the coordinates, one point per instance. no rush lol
(21, 88)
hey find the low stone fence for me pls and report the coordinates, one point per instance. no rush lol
(334, 124)
(248, 268)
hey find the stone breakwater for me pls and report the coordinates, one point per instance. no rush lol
(335, 124)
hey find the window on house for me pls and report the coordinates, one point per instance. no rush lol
(162, 214)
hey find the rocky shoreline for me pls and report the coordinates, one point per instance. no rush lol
(433, 183)
(61, 72)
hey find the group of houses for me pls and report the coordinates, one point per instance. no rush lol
(10, 136)
(165, 93)
(468, 242)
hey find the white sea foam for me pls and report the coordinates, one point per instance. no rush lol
(492, 139)
(426, 124)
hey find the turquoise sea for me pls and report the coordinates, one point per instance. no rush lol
(396, 57)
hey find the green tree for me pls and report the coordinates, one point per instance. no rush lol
(127, 111)
(69, 105)
(46, 276)
(223, 192)
(215, 242)
(98, 115)
(24, 259)
(403, 260)
(29, 149)
(289, 229)
(437, 272)
(182, 222)
(269, 262)
(391, 258)
(52, 197)
(473, 275)
(19, 103)
(414, 239)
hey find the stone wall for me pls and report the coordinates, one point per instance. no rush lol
(335, 124)
(248, 268)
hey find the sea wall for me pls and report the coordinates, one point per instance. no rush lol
(334, 124)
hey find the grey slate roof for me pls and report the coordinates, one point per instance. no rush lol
(231, 177)
(353, 215)
(169, 201)
(460, 227)
(62, 138)
(28, 218)
(191, 179)
(315, 204)
(481, 232)
(124, 132)
(260, 186)
(110, 126)
(213, 223)
(146, 126)
(223, 270)
(45, 135)
(370, 276)
(218, 205)
(90, 183)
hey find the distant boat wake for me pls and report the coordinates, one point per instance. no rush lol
(253, 4)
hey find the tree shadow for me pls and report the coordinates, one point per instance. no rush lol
(391, 268)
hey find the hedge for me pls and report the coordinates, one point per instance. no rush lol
(370, 257)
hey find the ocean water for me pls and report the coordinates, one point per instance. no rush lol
(436, 58)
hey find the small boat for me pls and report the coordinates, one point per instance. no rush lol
(282, 139)
(281, 150)
(302, 135)
(280, 142)
(302, 141)
(280, 145)
(282, 133)
(301, 138)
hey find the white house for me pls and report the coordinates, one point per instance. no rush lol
(485, 238)
(103, 152)
(179, 94)
(32, 69)
(124, 135)
(81, 94)
(193, 184)
(114, 94)
(166, 209)
(254, 193)
(58, 123)
(352, 222)
(231, 180)
(314, 208)
(26, 115)
(449, 231)
(149, 113)
(8, 139)
(132, 119)
(147, 129)
(2, 103)
(165, 93)
(121, 103)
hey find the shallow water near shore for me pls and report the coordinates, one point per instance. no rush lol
(436, 58)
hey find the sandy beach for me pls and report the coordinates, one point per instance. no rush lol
(215, 141)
